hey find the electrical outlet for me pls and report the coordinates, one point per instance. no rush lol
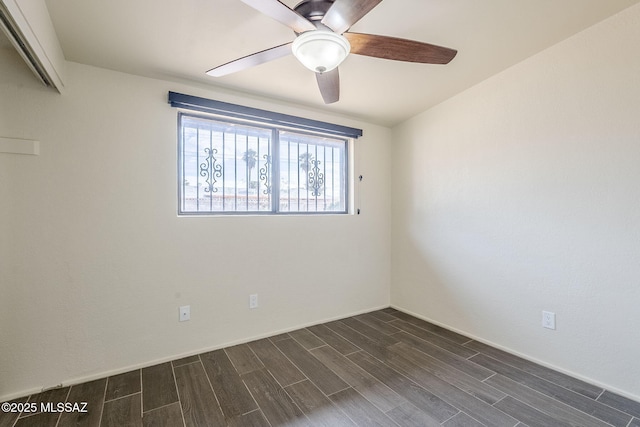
(185, 313)
(253, 301)
(548, 320)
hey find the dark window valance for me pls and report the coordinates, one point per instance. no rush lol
(205, 105)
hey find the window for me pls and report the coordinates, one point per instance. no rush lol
(232, 166)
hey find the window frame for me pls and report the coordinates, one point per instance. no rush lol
(275, 130)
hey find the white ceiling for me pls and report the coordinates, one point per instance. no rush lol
(183, 39)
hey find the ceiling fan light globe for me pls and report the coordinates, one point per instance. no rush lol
(320, 51)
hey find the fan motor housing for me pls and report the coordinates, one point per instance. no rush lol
(313, 10)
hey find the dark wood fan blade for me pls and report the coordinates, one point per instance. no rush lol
(251, 60)
(329, 84)
(344, 13)
(281, 13)
(399, 49)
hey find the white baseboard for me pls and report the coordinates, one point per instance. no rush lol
(96, 376)
(523, 356)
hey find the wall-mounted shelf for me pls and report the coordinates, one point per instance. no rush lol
(19, 146)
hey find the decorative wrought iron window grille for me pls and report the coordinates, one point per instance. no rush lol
(238, 167)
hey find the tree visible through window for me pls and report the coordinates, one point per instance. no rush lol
(234, 167)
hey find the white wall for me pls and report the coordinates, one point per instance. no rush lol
(95, 263)
(523, 194)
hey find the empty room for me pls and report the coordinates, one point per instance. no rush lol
(320, 213)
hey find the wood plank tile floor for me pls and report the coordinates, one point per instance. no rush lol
(384, 368)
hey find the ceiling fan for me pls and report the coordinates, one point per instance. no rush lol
(323, 42)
